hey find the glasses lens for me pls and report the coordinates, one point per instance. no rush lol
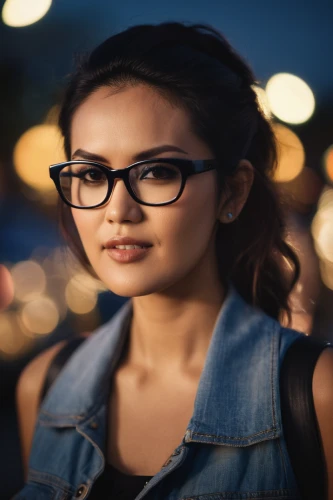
(155, 182)
(83, 185)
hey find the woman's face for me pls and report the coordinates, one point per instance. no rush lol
(114, 127)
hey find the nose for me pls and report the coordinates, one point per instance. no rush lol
(121, 207)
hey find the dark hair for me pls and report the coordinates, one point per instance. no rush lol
(195, 67)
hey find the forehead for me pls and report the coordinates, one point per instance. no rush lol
(135, 117)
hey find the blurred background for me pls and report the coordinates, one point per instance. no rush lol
(49, 298)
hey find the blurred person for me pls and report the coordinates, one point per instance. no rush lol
(167, 197)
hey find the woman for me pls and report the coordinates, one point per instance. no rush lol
(167, 198)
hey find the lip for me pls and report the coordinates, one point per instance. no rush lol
(125, 240)
(129, 255)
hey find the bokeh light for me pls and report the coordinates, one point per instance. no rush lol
(60, 262)
(322, 232)
(81, 293)
(263, 101)
(45, 287)
(29, 280)
(19, 13)
(326, 199)
(7, 330)
(290, 98)
(40, 316)
(291, 154)
(326, 272)
(328, 164)
(324, 242)
(13, 342)
(37, 148)
(324, 214)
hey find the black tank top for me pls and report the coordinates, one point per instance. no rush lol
(115, 485)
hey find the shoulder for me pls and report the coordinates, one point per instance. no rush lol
(323, 378)
(322, 386)
(28, 393)
(32, 377)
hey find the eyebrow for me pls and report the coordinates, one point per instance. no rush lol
(143, 155)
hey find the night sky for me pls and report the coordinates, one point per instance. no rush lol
(293, 36)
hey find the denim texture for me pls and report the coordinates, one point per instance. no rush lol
(233, 447)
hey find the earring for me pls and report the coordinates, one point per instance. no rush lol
(229, 216)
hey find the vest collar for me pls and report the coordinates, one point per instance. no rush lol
(238, 393)
(83, 383)
(237, 401)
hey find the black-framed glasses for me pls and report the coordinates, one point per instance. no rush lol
(155, 182)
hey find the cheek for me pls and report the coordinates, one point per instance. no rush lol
(188, 225)
(86, 222)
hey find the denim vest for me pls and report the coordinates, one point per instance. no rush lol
(233, 447)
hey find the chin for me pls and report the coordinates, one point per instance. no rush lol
(139, 286)
(129, 287)
(128, 290)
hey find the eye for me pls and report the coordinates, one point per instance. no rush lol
(159, 172)
(90, 175)
(94, 175)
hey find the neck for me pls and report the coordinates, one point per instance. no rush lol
(171, 330)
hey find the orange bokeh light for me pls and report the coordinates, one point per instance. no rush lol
(291, 155)
(328, 163)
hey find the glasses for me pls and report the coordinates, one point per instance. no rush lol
(155, 182)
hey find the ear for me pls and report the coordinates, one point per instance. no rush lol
(238, 188)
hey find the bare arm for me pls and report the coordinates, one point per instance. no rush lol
(28, 393)
(323, 400)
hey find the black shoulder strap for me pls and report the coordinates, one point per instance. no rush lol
(299, 418)
(58, 363)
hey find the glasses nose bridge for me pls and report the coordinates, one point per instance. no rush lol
(114, 176)
(120, 205)
(120, 173)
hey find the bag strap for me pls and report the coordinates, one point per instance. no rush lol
(58, 362)
(299, 419)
